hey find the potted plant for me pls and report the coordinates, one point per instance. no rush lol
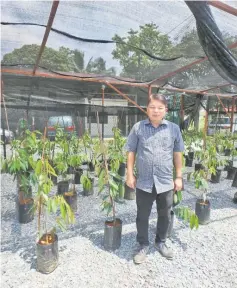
(89, 146)
(89, 157)
(229, 141)
(113, 225)
(192, 143)
(20, 165)
(117, 154)
(203, 206)
(87, 182)
(235, 198)
(46, 206)
(60, 161)
(76, 158)
(71, 196)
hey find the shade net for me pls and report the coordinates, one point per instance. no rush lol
(128, 44)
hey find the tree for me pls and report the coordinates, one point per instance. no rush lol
(199, 75)
(58, 60)
(136, 63)
(64, 59)
(96, 66)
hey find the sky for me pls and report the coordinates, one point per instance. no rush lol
(98, 20)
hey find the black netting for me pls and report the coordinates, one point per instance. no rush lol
(94, 44)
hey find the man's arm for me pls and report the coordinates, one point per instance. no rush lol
(178, 182)
(131, 147)
(178, 164)
(131, 179)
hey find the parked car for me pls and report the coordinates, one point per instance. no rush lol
(65, 122)
(9, 135)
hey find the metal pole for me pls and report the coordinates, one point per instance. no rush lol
(206, 122)
(3, 128)
(168, 75)
(232, 114)
(149, 91)
(46, 34)
(182, 109)
(125, 96)
(224, 7)
(89, 116)
(103, 118)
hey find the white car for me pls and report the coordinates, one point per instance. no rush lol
(9, 135)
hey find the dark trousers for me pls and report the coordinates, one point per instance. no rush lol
(145, 201)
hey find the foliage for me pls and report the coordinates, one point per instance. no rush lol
(86, 181)
(62, 59)
(45, 203)
(21, 163)
(62, 144)
(187, 215)
(134, 62)
(30, 164)
(137, 64)
(190, 46)
(210, 159)
(107, 179)
(192, 140)
(116, 152)
(184, 213)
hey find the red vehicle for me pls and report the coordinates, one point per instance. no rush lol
(65, 122)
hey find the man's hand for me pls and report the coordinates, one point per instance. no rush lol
(131, 181)
(178, 184)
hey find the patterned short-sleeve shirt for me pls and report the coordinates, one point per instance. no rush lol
(154, 149)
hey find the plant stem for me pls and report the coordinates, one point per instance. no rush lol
(39, 215)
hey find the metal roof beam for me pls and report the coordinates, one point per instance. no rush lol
(46, 34)
(216, 87)
(234, 45)
(222, 6)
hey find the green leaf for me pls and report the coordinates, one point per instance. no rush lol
(63, 211)
(113, 184)
(179, 195)
(38, 167)
(54, 205)
(46, 188)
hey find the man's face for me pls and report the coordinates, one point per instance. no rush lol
(156, 110)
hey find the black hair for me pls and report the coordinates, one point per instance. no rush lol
(158, 97)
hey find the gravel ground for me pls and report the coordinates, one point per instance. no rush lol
(203, 258)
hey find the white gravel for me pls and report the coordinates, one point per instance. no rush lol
(203, 258)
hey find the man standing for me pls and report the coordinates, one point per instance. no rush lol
(157, 145)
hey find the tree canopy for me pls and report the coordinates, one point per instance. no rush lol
(138, 65)
(63, 59)
(134, 62)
